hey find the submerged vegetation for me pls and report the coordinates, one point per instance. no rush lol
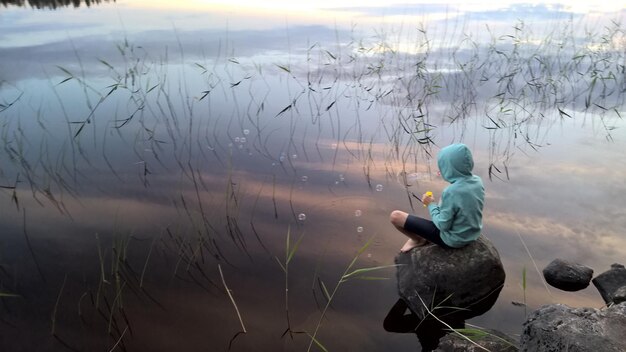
(221, 151)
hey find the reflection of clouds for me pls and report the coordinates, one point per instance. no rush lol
(547, 231)
(504, 11)
(23, 61)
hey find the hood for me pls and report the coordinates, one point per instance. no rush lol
(455, 162)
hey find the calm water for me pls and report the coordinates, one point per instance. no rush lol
(155, 152)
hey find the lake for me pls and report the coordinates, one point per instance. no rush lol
(200, 175)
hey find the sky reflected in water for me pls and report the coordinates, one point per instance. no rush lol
(146, 143)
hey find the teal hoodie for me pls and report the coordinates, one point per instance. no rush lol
(459, 214)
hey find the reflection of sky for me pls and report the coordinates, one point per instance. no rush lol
(560, 199)
(35, 39)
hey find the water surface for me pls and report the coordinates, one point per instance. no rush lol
(156, 153)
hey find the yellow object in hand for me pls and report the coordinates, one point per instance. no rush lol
(428, 194)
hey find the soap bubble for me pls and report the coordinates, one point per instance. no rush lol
(359, 229)
(242, 139)
(305, 178)
(246, 132)
(379, 188)
(282, 158)
(336, 182)
(357, 213)
(302, 217)
(236, 139)
(341, 178)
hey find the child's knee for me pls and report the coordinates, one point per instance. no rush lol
(398, 218)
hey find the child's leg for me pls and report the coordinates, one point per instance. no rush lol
(420, 231)
(398, 219)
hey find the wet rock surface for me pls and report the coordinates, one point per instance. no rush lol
(492, 340)
(567, 276)
(469, 278)
(558, 327)
(612, 284)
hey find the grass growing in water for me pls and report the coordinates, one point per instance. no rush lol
(348, 274)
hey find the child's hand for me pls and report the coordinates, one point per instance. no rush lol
(427, 198)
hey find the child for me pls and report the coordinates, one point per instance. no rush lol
(457, 219)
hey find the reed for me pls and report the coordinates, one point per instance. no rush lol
(348, 274)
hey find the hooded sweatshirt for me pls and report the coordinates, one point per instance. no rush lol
(458, 216)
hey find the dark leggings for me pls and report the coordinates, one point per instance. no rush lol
(425, 229)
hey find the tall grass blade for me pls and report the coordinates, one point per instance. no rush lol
(232, 300)
(53, 316)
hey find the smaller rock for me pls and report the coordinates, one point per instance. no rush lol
(492, 340)
(567, 276)
(611, 284)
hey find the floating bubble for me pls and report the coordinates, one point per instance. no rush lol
(273, 164)
(302, 217)
(305, 178)
(282, 158)
(357, 213)
(359, 229)
(242, 140)
(246, 132)
(236, 139)
(379, 188)
(341, 178)
(336, 182)
(295, 156)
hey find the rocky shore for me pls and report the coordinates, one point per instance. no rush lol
(447, 287)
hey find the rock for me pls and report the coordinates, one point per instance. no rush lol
(611, 284)
(469, 278)
(493, 340)
(567, 276)
(558, 327)
(619, 295)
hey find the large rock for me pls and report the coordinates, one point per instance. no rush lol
(567, 276)
(612, 284)
(492, 340)
(469, 278)
(558, 327)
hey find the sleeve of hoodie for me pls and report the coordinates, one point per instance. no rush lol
(442, 215)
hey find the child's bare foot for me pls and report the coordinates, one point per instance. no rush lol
(410, 244)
